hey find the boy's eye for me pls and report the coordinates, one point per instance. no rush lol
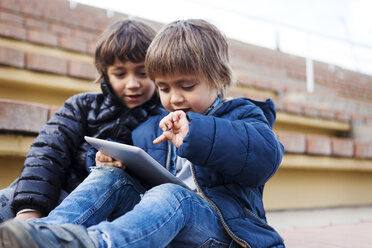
(142, 74)
(119, 74)
(188, 87)
(164, 89)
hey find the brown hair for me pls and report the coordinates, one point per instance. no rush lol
(126, 40)
(191, 46)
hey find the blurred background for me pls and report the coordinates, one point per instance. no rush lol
(337, 32)
(313, 58)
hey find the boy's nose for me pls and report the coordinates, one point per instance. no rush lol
(133, 82)
(176, 98)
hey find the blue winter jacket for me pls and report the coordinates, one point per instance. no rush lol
(234, 152)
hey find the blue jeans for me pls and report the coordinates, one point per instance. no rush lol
(6, 199)
(111, 205)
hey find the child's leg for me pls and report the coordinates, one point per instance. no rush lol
(6, 198)
(167, 215)
(107, 192)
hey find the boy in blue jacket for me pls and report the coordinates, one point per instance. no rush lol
(224, 150)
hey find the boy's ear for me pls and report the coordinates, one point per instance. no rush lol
(98, 79)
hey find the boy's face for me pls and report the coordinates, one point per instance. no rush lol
(130, 82)
(185, 92)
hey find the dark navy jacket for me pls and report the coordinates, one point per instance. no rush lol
(56, 159)
(234, 152)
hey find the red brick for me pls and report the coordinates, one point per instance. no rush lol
(356, 118)
(91, 47)
(36, 24)
(12, 57)
(85, 35)
(368, 119)
(293, 142)
(57, 10)
(42, 37)
(342, 116)
(75, 44)
(11, 18)
(234, 93)
(81, 70)
(363, 149)
(12, 31)
(52, 111)
(33, 7)
(293, 107)
(21, 116)
(279, 104)
(342, 147)
(10, 4)
(46, 63)
(326, 113)
(309, 110)
(318, 145)
(60, 29)
(86, 12)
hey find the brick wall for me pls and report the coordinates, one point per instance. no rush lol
(55, 24)
(329, 79)
(339, 94)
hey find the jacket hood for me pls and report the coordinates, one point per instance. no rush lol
(267, 107)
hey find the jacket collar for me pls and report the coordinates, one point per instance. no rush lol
(267, 107)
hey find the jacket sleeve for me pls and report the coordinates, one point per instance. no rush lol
(244, 150)
(90, 160)
(50, 158)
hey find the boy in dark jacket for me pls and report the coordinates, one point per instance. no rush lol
(226, 147)
(56, 162)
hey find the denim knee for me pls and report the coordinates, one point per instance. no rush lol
(107, 170)
(110, 173)
(170, 189)
(170, 193)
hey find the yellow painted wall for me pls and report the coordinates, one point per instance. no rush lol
(10, 168)
(309, 188)
(43, 88)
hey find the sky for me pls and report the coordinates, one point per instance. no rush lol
(338, 32)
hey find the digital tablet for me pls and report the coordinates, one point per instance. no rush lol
(138, 163)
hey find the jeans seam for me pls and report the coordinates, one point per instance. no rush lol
(101, 201)
(170, 217)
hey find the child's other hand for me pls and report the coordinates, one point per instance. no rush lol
(28, 215)
(104, 160)
(175, 127)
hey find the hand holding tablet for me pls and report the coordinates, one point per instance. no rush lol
(138, 163)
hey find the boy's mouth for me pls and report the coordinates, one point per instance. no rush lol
(184, 110)
(133, 97)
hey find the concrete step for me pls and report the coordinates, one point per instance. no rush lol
(324, 228)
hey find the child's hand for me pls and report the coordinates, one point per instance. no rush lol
(104, 160)
(175, 127)
(28, 215)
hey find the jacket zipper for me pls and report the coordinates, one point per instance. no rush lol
(202, 195)
(258, 218)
